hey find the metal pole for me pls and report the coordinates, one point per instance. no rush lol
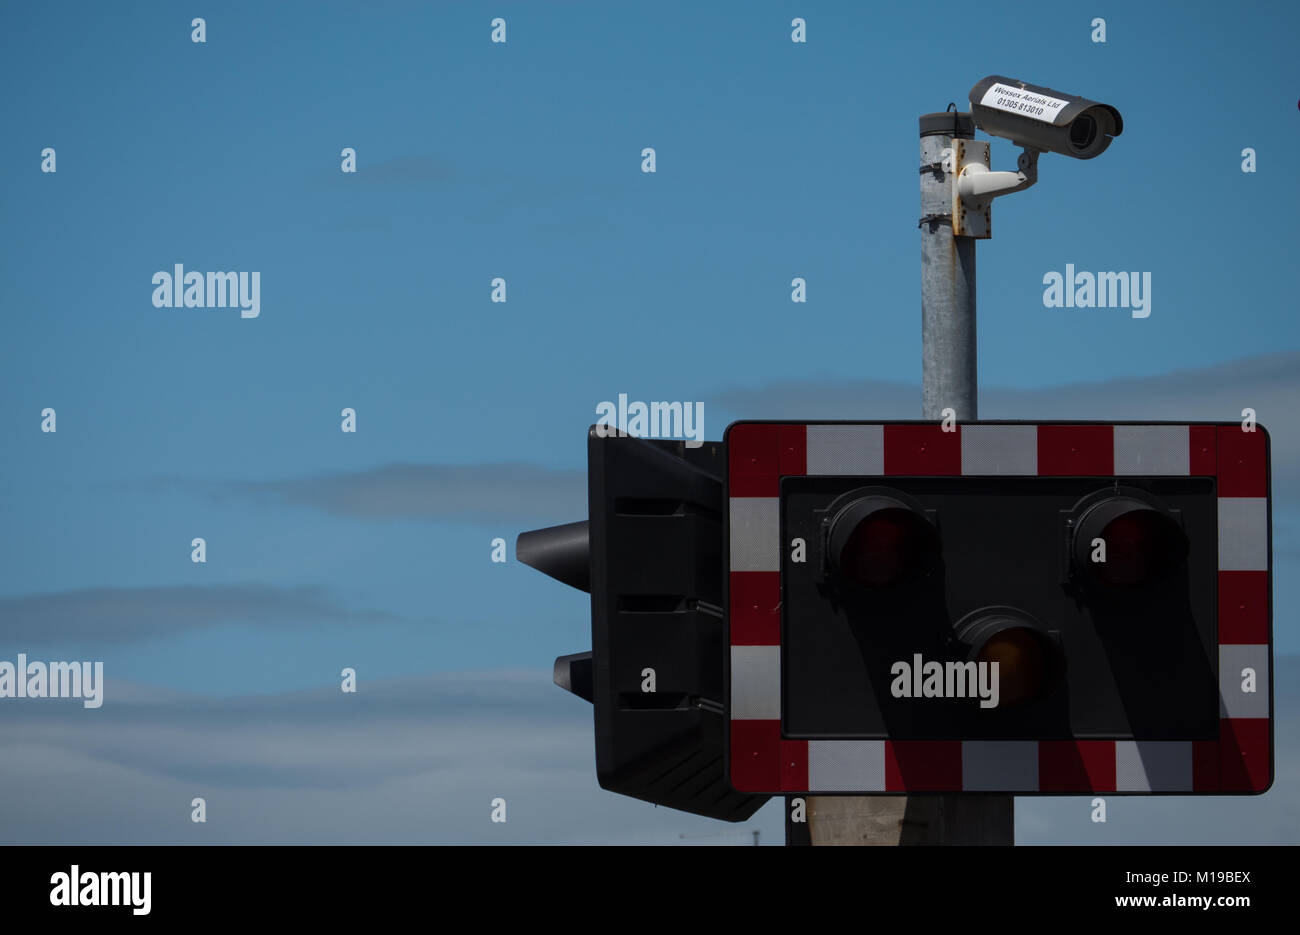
(948, 372)
(948, 355)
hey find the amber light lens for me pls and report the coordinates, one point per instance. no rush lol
(1024, 668)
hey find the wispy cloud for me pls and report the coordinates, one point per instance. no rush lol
(403, 761)
(420, 760)
(120, 615)
(508, 491)
(521, 493)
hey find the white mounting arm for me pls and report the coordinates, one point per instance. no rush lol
(974, 186)
(978, 185)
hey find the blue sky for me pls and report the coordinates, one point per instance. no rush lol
(522, 160)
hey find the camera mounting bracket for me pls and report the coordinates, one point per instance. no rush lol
(974, 186)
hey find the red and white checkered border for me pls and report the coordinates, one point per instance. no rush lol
(760, 760)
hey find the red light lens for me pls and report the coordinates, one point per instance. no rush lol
(886, 547)
(1141, 546)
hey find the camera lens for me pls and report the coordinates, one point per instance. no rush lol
(1083, 132)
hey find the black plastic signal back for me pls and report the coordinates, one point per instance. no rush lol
(655, 510)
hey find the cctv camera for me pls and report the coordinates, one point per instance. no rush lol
(1040, 118)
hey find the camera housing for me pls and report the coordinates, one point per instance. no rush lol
(1040, 118)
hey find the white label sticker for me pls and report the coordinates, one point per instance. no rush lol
(1024, 102)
